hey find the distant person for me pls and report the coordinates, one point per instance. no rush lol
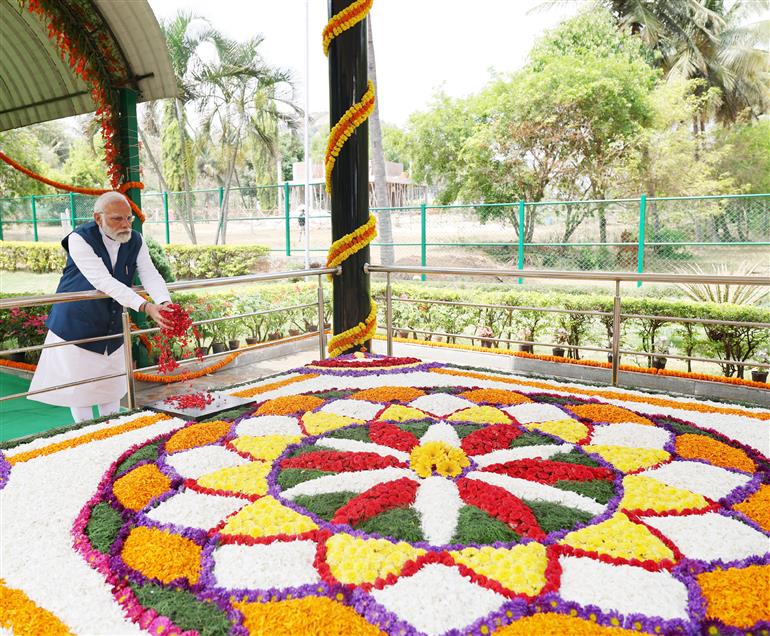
(301, 221)
(102, 254)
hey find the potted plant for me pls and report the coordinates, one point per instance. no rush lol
(485, 334)
(561, 336)
(661, 346)
(759, 374)
(527, 334)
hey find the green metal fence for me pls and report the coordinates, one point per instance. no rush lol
(644, 234)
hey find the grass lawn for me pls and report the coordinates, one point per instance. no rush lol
(28, 283)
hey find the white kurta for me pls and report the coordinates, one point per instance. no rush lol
(60, 365)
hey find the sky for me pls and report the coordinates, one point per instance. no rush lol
(421, 46)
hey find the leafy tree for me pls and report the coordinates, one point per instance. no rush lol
(747, 154)
(84, 167)
(395, 143)
(23, 146)
(710, 40)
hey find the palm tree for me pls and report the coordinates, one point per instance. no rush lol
(184, 40)
(699, 39)
(241, 95)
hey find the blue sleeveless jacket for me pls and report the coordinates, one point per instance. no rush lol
(92, 318)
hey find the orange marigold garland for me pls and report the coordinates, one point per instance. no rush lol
(345, 19)
(354, 116)
(69, 188)
(182, 377)
(351, 243)
(359, 334)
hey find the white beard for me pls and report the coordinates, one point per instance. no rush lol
(123, 236)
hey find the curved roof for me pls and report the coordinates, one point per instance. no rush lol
(37, 85)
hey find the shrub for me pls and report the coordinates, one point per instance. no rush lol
(32, 257)
(215, 261)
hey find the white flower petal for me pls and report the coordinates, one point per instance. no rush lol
(196, 462)
(356, 446)
(438, 503)
(630, 435)
(196, 509)
(264, 566)
(705, 479)
(441, 404)
(531, 412)
(623, 588)
(268, 425)
(357, 481)
(441, 432)
(541, 451)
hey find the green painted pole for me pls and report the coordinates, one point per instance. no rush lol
(642, 226)
(287, 215)
(34, 217)
(1, 224)
(165, 218)
(423, 237)
(72, 210)
(522, 211)
(129, 144)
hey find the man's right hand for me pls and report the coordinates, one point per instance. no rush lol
(156, 313)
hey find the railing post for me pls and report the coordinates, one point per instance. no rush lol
(389, 315)
(165, 217)
(522, 210)
(34, 217)
(321, 319)
(423, 239)
(642, 226)
(287, 215)
(1, 223)
(616, 334)
(72, 210)
(129, 359)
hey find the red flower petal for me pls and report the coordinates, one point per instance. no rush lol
(490, 438)
(379, 498)
(545, 471)
(502, 505)
(390, 435)
(341, 461)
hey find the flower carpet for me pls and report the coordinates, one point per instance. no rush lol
(375, 495)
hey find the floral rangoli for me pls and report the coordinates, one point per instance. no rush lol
(369, 495)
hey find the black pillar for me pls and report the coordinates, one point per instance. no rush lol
(350, 177)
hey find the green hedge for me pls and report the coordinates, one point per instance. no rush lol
(31, 257)
(186, 261)
(737, 346)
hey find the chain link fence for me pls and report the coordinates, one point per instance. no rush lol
(663, 234)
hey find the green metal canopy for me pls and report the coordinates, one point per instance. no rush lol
(36, 85)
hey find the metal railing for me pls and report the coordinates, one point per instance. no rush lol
(617, 278)
(128, 333)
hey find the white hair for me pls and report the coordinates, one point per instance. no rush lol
(109, 197)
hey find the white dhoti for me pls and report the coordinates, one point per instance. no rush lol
(70, 363)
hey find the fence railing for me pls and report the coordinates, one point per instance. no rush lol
(642, 234)
(128, 333)
(614, 350)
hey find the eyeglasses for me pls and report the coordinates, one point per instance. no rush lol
(118, 219)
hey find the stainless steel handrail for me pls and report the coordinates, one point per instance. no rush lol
(51, 299)
(616, 278)
(127, 334)
(624, 277)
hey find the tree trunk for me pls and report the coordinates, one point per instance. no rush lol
(179, 107)
(162, 185)
(222, 224)
(387, 256)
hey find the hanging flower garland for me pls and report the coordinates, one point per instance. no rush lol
(83, 43)
(68, 188)
(345, 19)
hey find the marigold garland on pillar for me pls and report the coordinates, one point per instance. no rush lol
(351, 243)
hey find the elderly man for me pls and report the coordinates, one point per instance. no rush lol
(102, 254)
